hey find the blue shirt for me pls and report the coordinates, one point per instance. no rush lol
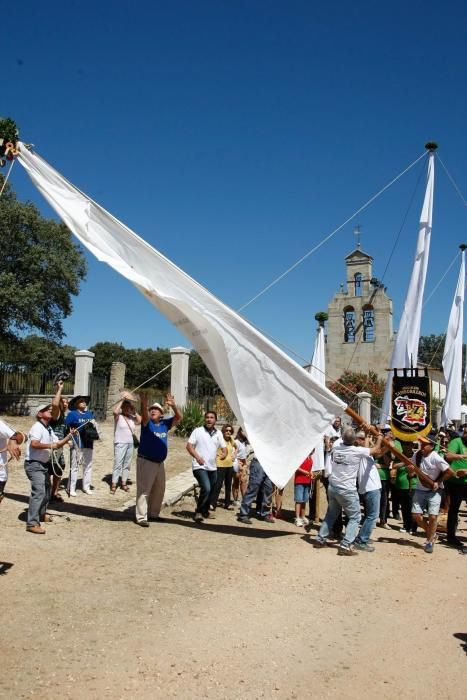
(153, 444)
(76, 418)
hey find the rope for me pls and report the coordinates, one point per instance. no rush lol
(7, 176)
(453, 182)
(330, 235)
(439, 281)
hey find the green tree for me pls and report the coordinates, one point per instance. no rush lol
(106, 353)
(351, 383)
(430, 350)
(201, 381)
(41, 268)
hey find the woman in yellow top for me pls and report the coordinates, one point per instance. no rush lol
(225, 470)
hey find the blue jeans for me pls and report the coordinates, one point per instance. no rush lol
(207, 481)
(350, 503)
(258, 478)
(38, 475)
(123, 452)
(371, 500)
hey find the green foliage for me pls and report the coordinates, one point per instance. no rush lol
(193, 417)
(8, 130)
(321, 317)
(140, 364)
(202, 383)
(430, 350)
(38, 354)
(41, 268)
(351, 383)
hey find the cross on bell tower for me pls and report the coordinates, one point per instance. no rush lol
(358, 232)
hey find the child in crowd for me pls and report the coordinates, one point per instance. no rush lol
(302, 489)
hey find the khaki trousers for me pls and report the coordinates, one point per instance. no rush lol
(150, 488)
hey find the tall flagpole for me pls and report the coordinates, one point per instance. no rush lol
(318, 373)
(405, 352)
(452, 356)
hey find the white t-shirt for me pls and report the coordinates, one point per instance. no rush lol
(124, 429)
(206, 445)
(5, 434)
(345, 460)
(242, 452)
(44, 435)
(368, 477)
(432, 466)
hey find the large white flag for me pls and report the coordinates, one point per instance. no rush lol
(318, 373)
(452, 357)
(283, 410)
(405, 352)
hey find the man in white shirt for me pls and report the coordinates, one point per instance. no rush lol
(425, 499)
(203, 445)
(342, 490)
(369, 487)
(42, 440)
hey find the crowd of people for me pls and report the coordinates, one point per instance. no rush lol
(369, 476)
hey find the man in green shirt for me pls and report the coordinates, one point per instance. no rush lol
(456, 486)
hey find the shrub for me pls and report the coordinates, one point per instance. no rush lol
(193, 417)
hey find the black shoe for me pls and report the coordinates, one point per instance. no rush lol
(158, 519)
(455, 542)
(245, 520)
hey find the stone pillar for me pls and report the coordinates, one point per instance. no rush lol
(364, 405)
(116, 383)
(179, 375)
(83, 370)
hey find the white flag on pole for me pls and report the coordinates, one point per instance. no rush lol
(283, 410)
(318, 373)
(405, 352)
(452, 356)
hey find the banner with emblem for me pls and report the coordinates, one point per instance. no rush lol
(411, 404)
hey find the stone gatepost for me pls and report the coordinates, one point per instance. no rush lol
(83, 371)
(179, 375)
(116, 382)
(364, 405)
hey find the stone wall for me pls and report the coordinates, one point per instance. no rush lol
(23, 404)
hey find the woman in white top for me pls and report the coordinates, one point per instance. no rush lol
(126, 419)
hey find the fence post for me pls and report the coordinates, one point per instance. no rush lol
(83, 369)
(116, 382)
(179, 375)
(364, 405)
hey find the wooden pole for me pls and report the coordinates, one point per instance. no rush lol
(424, 478)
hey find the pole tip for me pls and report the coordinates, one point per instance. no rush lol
(463, 246)
(431, 146)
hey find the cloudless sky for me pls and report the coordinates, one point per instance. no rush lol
(233, 136)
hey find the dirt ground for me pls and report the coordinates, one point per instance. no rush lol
(101, 608)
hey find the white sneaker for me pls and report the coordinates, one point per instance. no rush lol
(298, 522)
(306, 522)
(87, 491)
(73, 494)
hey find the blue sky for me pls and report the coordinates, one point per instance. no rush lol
(233, 136)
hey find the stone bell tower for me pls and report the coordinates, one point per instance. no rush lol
(360, 335)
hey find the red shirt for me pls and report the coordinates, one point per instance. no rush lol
(303, 478)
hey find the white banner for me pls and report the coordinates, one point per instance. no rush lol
(405, 352)
(318, 373)
(452, 356)
(283, 410)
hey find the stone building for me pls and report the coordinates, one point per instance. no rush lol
(359, 331)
